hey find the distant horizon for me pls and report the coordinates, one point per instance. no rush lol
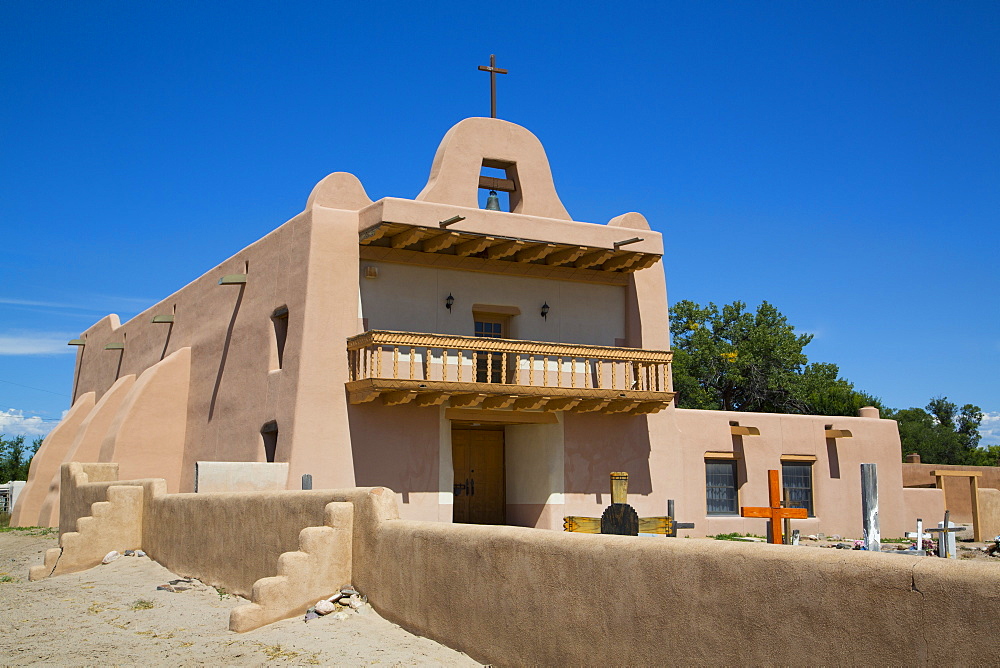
(839, 162)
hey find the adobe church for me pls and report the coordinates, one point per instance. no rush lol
(489, 365)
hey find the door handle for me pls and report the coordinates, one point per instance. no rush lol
(472, 486)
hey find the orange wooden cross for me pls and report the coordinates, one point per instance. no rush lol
(775, 512)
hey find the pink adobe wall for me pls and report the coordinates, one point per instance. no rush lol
(87, 444)
(836, 472)
(154, 410)
(45, 464)
(693, 601)
(957, 491)
(232, 387)
(398, 447)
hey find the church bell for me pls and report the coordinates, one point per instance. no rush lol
(492, 201)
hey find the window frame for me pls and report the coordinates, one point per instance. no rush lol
(733, 464)
(811, 489)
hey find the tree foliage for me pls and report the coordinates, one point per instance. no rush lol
(734, 359)
(943, 433)
(15, 458)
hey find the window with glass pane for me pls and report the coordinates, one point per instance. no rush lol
(720, 487)
(488, 365)
(797, 480)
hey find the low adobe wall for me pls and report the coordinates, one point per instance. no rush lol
(512, 595)
(518, 596)
(231, 539)
(956, 489)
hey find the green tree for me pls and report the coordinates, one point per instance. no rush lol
(734, 359)
(943, 433)
(15, 458)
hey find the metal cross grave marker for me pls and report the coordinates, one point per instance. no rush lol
(620, 518)
(775, 512)
(494, 71)
(944, 544)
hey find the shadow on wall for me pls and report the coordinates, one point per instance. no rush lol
(225, 353)
(596, 445)
(395, 447)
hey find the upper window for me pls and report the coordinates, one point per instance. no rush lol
(489, 366)
(720, 487)
(797, 482)
(489, 329)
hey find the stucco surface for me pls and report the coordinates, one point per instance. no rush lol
(86, 446)
(241, 476)
(989, 512)
(45, 464)
(691, 601)
(957, 491)
(454, 177)
(924, 504)
(153, 413)
(233, 539)
(517, 596)
(320, 566)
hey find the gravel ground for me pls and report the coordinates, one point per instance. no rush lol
(114, 615)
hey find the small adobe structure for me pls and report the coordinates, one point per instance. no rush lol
(489, 366)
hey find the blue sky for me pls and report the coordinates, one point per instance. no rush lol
(840, 160)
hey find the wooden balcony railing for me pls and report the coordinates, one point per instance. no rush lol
(428, 369)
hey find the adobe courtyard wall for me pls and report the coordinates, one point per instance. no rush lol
(956, 490)
(512, 595)
(665, 453)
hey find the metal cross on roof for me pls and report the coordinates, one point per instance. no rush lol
(494, 71)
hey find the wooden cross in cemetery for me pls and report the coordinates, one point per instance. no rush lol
(494, 71)
(620, 518)
(775, 512)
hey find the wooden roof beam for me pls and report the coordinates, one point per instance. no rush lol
(561, 404)
(530, 403)
(505, 249)
(621, 262)
(502, 401)
(646, 262)
(565, 256)
(407, 237)
(494, 183)
(621, 406)
(441, 242)
(648, 407)
(398, 398)
(590, 405)
(476, 245)
(374, 233)
(466, 400)
(535, 252)
(425, 399)
(593, 259)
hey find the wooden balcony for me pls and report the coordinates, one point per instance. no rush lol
(471, 372)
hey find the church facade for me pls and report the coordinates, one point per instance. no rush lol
(487, 365)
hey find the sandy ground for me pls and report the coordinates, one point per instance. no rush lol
(91, 618)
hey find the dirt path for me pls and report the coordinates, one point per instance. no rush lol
(95, 618)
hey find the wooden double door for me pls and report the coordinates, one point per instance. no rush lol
(478, 458)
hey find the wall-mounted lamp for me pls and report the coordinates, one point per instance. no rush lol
(545, 310)
(449, 302)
